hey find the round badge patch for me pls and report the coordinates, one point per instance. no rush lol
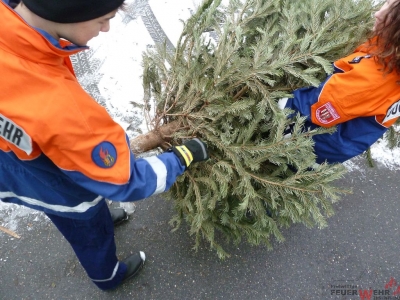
(104, 155)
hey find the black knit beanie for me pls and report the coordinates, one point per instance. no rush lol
(71, 11)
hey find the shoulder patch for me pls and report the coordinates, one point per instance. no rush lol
(104, 155)
(327, 114)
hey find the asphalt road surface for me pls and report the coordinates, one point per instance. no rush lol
(358, 253)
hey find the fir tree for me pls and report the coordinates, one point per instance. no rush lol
(225, 92)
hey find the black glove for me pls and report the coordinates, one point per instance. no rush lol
(191, 151)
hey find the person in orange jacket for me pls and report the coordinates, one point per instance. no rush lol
(362, 96)
(60, 151)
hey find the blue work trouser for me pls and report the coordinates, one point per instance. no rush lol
(94, 245)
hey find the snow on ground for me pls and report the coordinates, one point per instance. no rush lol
(382, 157)
(382, 154)
(119, 80)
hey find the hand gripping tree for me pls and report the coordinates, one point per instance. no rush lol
(225, 91)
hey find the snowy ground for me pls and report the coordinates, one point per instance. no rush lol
(113, 78)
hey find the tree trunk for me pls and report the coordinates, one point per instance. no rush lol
(158, 137)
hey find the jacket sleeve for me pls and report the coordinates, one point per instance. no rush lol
(147, 177)
(86, 144)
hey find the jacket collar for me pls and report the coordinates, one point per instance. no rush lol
(31, 43)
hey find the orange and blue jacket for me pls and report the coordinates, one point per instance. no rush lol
(60, 151)
(358, 98)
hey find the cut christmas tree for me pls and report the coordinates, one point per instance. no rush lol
(231, 65)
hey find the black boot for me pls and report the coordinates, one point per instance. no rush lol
(135, 263)
(118, 215)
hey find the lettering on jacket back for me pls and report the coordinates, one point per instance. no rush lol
(393, 112)
(15, 135)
